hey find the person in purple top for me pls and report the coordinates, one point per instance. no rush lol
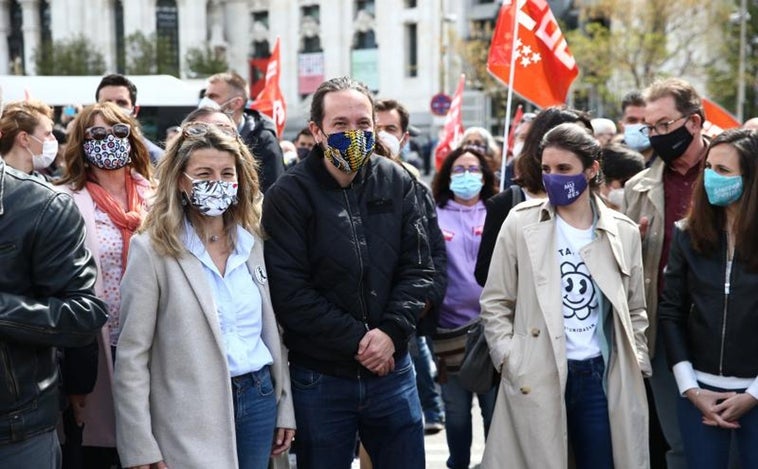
(460, 188)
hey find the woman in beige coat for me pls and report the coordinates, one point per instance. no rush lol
(201, 376)
(564, 316)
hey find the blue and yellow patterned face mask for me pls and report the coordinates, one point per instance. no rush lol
(349, 150)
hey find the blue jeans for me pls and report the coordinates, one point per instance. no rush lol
(39, 452)
(589, 427)
(709, 447)
(431, 401)
(384, 411)
(458, 431)
(254, 417)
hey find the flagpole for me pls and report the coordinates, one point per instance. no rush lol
(509, 99)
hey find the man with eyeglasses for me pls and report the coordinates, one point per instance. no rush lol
(656, 198)
(121, 91)
(228, 92)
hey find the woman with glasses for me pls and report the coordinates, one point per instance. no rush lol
(201, 374)
(108, 173)
(564, 317)
(709, 306)
(460, 188)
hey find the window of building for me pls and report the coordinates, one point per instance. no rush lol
(364, 37)
(310, 28)
(410, 3)
(411, 50)
(46, 34)
(118, 22)
(261, 49)
(16, 39)
(167, 32)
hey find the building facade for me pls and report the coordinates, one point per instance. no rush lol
(402, 49)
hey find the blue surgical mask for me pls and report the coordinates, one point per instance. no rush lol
(466, 186)
(564, 189)
(635, 139)
(722, 190)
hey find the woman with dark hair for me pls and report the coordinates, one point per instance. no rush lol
(527, 183)
(709, 307)
(564, 316)
(108, 173)
(460, 188)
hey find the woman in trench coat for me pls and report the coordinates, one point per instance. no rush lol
(564, 316)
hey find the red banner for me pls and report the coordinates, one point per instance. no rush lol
(717, 116)
(453, 128)
(543, 66)
(270, 101)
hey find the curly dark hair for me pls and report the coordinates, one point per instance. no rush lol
(441, 183)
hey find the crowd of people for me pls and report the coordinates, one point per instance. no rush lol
(231, 299)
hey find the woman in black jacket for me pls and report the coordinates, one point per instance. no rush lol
(709, 307)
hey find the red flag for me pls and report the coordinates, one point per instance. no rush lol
(544, 67)
(270, 100)
(718, 116)
(453, 128)
(514, 125)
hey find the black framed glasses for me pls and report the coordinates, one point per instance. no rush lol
(200, 129)
(98, 132)
(660, 128)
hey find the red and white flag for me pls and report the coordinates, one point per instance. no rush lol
(717, 119)
(270, 100)
(543, 66)
(453, 128)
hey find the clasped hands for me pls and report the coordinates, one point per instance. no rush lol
(721, 409)
(375, 351)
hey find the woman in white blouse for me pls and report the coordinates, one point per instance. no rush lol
(201, 374)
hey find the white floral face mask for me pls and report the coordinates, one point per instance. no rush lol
(212, 197)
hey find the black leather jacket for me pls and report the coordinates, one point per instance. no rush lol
(46, 300)
(259, 134)
(706, 318)
(343, 261)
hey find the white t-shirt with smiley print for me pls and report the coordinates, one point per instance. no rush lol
(581, 302)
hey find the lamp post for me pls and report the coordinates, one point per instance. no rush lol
(741, 68)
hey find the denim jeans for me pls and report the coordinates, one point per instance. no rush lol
(709, 447)
(428, 393)
(458, 431)
(589, 427)
(384, 411)
(38, 452)
(254, 417)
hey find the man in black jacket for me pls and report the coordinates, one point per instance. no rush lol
(228, 92)
(46, 302)
(349, 264)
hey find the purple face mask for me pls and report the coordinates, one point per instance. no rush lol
(563, 189)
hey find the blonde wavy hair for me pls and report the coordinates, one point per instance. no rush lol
(165, 221)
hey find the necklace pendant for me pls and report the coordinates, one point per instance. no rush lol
(213, 238)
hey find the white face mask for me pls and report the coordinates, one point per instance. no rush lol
(49, 152)
(616, 197)
(209, 103)
(390, 141)
(517, 147)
